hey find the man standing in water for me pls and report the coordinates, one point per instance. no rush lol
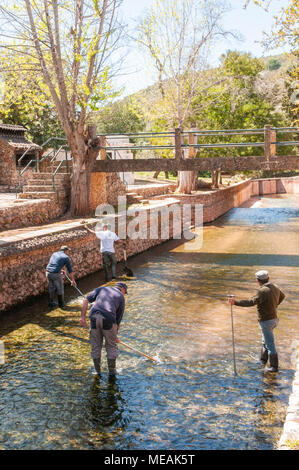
(54, 271)
(105, 317)
(107, 238)
(268, 297)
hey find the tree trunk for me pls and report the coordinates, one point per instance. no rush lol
(156, 174)
(216, 178)
(187, 181)
(85, 150)
(80, 187)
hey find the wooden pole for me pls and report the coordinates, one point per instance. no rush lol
(192, 140)
(139, 352)
(272, 146)
(178, 143)
(267, 142)
(103, 154)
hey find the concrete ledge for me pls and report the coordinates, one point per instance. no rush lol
(290, 436)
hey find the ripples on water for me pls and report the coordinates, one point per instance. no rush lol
(176, 312)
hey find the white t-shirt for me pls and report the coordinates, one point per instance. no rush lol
(107, 240)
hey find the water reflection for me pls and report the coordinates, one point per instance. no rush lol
(176, 312)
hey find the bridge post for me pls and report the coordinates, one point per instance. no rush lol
(267, 142)
(273, 146)
(178, 143)
(192, 140)
(103, 143)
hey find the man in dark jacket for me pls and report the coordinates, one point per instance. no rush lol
(54, 271)
(105, 317)
(267, 298)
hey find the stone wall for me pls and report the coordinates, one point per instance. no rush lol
(22, 263)
(105, 188)
(8, 172)
(275, 186)
(28, 213)
(154, 189)
(9, 175)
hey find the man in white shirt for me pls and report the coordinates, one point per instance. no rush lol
(107, 248)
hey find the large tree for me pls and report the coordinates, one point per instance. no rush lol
(178, 37)
(238, 102)
(71, 44)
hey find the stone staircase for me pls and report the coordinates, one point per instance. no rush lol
(135, 198)
(40, 186)
(142, 192)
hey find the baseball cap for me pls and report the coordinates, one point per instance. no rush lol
(262, 275)
(123, 286)
(64, 247)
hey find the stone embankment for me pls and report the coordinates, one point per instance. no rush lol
(24, 253)
(289, 439)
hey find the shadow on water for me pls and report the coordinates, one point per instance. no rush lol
(176, 312)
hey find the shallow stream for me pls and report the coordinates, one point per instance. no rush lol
(176, 312)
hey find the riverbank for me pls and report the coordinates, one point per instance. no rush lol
(24, 253)
(290, 435)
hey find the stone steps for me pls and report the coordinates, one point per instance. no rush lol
(40, 186)
(133, 198)
(38, 195)
(49, 175)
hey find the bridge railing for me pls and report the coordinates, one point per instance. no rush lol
(188, 140)
(183, 148)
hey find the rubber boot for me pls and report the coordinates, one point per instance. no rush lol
(60, 301)
(273, 363)
(52, 302)
(264, 356)
(111, 367)
(97, 365)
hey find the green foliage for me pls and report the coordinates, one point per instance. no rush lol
(235, 104)
(291, 101)
(273, 64)
(26, 101)
(121, 118)
(240, 66)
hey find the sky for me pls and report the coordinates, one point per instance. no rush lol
(249, 22)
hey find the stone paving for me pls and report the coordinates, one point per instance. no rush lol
(27, 233)
(7, 199)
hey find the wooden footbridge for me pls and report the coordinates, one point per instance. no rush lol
(187, 151)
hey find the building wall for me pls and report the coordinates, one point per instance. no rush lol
(8, 172)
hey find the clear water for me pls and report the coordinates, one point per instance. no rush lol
(176, 312)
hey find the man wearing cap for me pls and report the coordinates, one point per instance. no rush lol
(108, 238)
(105, 317)
(267, 298)
(54, 271)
